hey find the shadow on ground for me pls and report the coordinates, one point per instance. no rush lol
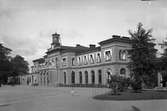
(125, 96)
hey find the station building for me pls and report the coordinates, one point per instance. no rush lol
(79, 64)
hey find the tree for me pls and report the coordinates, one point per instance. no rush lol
(20, 66)
(163, 63)
(5, 65)
(142, 55)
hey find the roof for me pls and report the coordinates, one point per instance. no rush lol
(40, 60)
(64, 49)
(116, 38)
(90, 50)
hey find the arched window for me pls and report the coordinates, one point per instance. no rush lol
(86, 77)
(44, 78)
(73, 61)
(41, 77)
(73, 77)
(100, 77)
(98, 57)
(122, 54)
(79, 61)
(56, 62)
(108, 54)
(123, 71)
(47, 74)
(109, 74)
(93, 77)
(91, 59)
(80, 77)
(64, 77)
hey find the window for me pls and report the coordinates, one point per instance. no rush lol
(93, 77)
(79, 60)
(64, 77)
(44, 78)
(122, 55)
(91, 59)
(73, 77)
(73, 61)
(85, 60)
(100, 77)
(47, 74)
(109, 74)
(56, 60)
(41, 77)
(86, 77)
(64, 61)
(98, 57)
(108, 55)
(122, 71)
(80, 77)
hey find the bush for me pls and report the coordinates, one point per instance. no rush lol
(118, 83)
(123, 84)
(136, 85)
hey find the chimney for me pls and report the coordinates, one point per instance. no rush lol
(92, 46)
(78, 45)
(115, 36)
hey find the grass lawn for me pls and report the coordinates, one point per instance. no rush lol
(129, 95)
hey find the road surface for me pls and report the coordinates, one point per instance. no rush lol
(24, 98)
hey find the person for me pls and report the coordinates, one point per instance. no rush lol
(72, 91)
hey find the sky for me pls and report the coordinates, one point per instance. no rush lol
(26, 26)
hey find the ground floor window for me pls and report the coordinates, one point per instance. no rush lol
(100, 77)
(73, 77)
(109, 74)
(86, 77)
(64, 77)
(80, 77)
(47, 77)
(123, 71)
(93, 77)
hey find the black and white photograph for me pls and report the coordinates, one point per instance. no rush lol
(83, 55)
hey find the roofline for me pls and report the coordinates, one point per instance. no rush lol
(116, 38)
(38, 59)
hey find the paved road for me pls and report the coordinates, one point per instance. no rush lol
(20, 98)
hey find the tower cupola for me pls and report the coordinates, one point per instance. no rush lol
(56, 40)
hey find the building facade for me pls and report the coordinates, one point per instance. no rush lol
(82, 65)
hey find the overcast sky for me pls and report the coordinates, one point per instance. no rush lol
(26, 25)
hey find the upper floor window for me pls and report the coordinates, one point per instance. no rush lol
(56, 61)
(108, 55)
(98, 57)
(122, 71)
(91, 59)
(122, 55)
(73, 61)
(79, 60)
(64, 61)
(64, 77)
(85, 60)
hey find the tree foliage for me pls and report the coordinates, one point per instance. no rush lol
(162, 65)
(5, 65)
(20, 66)
(142, 55)
(11, 66)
